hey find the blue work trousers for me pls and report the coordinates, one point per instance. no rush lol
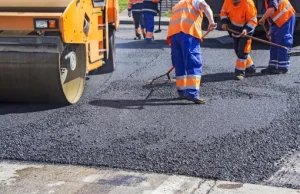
(149, 24)
(284, 36)
(186, 58)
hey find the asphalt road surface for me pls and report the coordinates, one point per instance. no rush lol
(246, 132)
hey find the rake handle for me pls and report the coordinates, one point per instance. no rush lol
(206, 33)
(171, 69)
(258, 39)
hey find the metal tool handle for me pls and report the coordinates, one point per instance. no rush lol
(258, 39)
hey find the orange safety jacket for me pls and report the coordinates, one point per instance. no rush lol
(135, 5)
(242, 16)
(284, 12)
(185, 18)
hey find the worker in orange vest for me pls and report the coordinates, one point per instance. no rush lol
(281, 17)
(241, 16)
(184, 35)
(135, 7)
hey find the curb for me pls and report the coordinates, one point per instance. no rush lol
(163, 23)
(128, 21)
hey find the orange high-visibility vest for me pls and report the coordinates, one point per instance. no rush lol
(284, 12)
(135, 5)
(244, 13)
(185, 18)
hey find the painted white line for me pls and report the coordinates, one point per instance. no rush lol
(177, 184)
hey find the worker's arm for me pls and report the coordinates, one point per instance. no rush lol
(272, 7)
(224, 16)
(129, 8)
(251, 18)
(209, 14)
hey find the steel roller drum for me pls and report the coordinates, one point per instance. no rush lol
(41, 77)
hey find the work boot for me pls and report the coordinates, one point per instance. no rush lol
(281, 71)
(196, 100)
(268, 70)
(181, 98)
(239, 74)
(138, 37)
(240, 77)
(148, 40)
(251, 69)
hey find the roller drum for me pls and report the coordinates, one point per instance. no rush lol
(42, 77)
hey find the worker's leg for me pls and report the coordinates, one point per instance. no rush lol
(250, 67)
(235, 44)
(149, 22)
(285, 38)
(145, 21)
(273, 62)
(142, 24)
(178, 63)
(136, 19)
(193, 64)
(241, 60)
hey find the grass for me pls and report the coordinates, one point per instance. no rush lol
(123, 5)
(167, 14)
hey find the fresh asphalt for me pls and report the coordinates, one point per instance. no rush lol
(242, 134)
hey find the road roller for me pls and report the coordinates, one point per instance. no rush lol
(47, 47)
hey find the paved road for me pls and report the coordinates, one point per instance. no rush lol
(247, 132)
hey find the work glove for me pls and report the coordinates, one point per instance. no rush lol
(129, 13)
(212, 27)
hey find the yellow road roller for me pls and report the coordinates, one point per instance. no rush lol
(48, 46)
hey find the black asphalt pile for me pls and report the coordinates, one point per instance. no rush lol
(241, 134)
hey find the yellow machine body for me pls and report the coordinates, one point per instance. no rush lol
(54, 28)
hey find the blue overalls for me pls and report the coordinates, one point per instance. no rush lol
(186, 57)
(149, 11)
(283, 36)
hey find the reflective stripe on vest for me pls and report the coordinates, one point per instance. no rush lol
(185, 18)
(187, 21)
(284, 12)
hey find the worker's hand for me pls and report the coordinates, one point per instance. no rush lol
(262, 21)
(224, 27)
(129, 13)
(244, 32)
(212, 27)
(269, 35)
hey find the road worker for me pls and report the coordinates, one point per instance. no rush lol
(184, 35)
(150, 9)
(135, 9)
(241, 16)
(281, 17)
